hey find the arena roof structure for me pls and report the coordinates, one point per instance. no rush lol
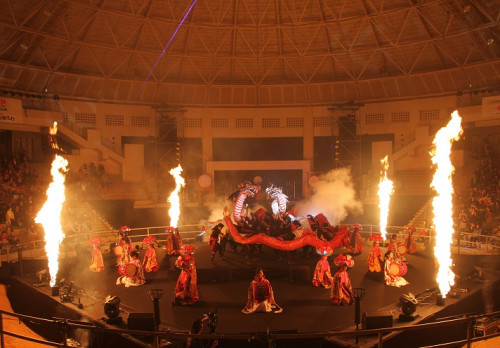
(249, 52)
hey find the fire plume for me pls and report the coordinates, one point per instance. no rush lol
(173, 199)
(385, 190)
(442, 202)
(50, 214)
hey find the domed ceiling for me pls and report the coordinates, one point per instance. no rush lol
(249, 52)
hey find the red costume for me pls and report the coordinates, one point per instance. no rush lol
(150, 262)
(375, 255)
(97, 263)
(356, 241)
(174, 241)
(126, 246)
(411, 245)
(341, 291)
(133, 274)
(186, 289)
(389, 277)
(322, 275)
(261, 296)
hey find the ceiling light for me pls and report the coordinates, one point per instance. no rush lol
(24, 46)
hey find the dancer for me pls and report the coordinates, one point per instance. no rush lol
(341, 291)
(174, 241)
(126, 246)
(186, 289)
(391, 276)
(411, 245)
(97, 263)
(375, 256)
(394, 247)
(322, 275)
(356, 241)
(218, 241)
(260, 296)
(150, 262)
(131, 272)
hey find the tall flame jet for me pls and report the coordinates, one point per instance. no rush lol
(173, 199)
(385, 190)
(50, 214)
(442, 202)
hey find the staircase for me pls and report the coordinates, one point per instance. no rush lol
(413, 182)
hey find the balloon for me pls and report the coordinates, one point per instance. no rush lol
(257, 180)
(313, 180)
(205, 181)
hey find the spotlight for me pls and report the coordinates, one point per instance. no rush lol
(112, 309)
(408, 304)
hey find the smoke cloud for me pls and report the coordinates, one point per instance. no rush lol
(334, 196)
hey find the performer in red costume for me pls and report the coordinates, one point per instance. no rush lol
(173, 242)
(133, 274)
(394, 247)
(341, 291)
(390, 277)
(322, 275)
(261, 296)
(97, 263)
(186, 289)
(356, 241)
(375, 256)
(126, 245)
(150, 262)
(411, 245)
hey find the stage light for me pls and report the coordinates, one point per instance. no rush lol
(112, 309)
(408, 304)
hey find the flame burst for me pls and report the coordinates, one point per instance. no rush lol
(442, 203)
(173, 199)
(385, 190)
(50, 214)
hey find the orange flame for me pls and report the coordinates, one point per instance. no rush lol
(50, 215)
(442, 202)
(385, 190)
(173, 199)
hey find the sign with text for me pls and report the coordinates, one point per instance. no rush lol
(11, 110)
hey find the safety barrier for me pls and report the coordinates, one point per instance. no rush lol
(66, 325)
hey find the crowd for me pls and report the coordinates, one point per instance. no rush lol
(20, 190)
(89, 179)
(477, 211)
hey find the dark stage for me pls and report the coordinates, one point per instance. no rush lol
(223, 286)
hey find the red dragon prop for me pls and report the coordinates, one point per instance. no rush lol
(307, 238)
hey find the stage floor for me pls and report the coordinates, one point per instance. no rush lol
(223, 286)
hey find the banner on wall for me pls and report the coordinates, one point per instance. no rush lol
(491, 107)
(10, 110)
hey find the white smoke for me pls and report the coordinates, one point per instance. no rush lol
(216, 209)
(333, 195)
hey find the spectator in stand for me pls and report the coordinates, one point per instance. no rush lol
(9, 217)
(11, 236)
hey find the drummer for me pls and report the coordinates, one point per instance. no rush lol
(124, 247)
(397, 248)
(392, 271)
(131, 273)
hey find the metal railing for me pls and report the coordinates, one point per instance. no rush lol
(461, 240)
(66, 326)
(35, 249)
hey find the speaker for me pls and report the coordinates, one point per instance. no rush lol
(376, 320)
(141, 321)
